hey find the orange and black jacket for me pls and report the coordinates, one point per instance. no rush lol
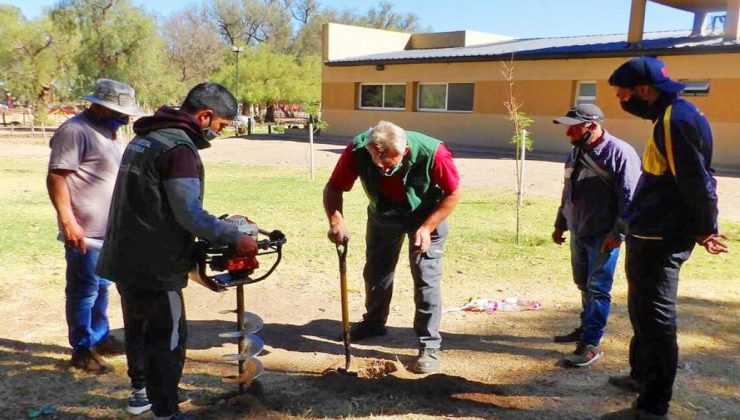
(676, 196)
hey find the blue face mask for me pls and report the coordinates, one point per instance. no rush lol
(114, 123)
(208, 133)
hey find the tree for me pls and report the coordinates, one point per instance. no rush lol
(267, 78)
(194, 49)
(384, 17)
(253, 22)
(115, 40)
(522, 143)
(308, 38)
(28, 61)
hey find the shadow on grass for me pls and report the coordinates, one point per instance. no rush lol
(32, 377)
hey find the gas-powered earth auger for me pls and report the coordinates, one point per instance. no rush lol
(218, 269)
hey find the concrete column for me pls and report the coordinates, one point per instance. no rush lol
(698, 27)
(637, 22)
(732, 21)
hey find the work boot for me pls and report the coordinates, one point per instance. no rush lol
(362, 330)
(572, 337)
(583, 356)
(626, 383)
(89, 361)
(427, 361)
(110, 346)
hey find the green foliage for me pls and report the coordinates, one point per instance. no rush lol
(28, 62)
(58, 57)
(267, 78)
(521, 121)
(115, 40)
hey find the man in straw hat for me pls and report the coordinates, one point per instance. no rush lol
(85, 155)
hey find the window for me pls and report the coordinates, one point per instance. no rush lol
(696, 87)
(382, 96)
(586, 93)
(446, 97)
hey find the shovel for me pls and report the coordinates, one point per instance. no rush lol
(342, 253)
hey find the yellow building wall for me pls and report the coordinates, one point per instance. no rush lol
(546, 88)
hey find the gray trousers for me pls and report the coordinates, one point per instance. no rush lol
(384, 240)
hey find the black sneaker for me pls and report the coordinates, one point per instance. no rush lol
(626, 383)
(138, 402)
(363, 330)
(572, 337)
(427, 361)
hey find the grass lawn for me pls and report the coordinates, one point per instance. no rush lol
(481, 245)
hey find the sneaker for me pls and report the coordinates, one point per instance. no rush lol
(138, 402)
(572, 337)
(111, 346)
(586, 356)
(89, 361)
(363, 330)
(427, 361)
(626, 383)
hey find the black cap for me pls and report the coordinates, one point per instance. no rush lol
(645, 71)
(580, 114)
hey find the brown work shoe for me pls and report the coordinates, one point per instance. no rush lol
(89, 361)
(111, 346)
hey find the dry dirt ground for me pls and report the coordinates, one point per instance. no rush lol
(495, 366)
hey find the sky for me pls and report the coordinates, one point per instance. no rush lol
(515, 18)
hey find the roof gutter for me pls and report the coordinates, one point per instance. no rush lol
(716, 49)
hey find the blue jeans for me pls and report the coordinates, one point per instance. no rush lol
(593, 273)
(87, 299)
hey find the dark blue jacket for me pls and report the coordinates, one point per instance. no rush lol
(677, 195)
(595, 197)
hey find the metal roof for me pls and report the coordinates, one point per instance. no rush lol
(654, 43)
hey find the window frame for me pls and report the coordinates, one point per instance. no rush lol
(579, 97)
(380, 108)
(696, 90)
(447, 97)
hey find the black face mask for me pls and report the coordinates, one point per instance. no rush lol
(583, 141)
(637, 107)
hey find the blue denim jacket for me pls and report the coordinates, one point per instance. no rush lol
(591, 204)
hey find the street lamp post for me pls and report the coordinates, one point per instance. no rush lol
(236, 50)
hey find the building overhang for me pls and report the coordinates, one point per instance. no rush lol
(695, 6)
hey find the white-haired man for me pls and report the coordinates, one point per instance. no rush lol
(413, 186)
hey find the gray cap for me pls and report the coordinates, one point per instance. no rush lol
(115, 96)
(579, 114)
